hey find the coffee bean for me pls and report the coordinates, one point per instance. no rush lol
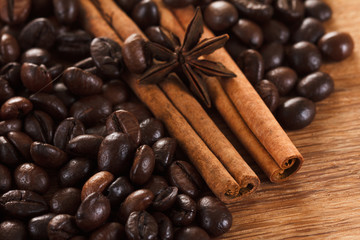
(220, 15)
(62, 226)
(68, 129)
(141, 225)
(86, 145)
(165, 226)
(284, 79)
(143, 165)
(151, 130)
(296, 113)
(75, 172)
(29, 176)
(126, 5)
(318, 9)
(119, 190)
(273, 55)
(15, 107)
(336, 46)
(85, 63)
(310, 30)
(234, 47)
(268, 93)
(248, 33)
(9, 155)
(36, 56)
(50, 104)
(11, 73)
(73, 44)
(65, 201)
(251, 64)
(6, 91)
(137, 57)
(162, 36)
(275, 31)
(255, 10)
(13, 229)
(21, 142)
(156, 184)
(39, 126)
(23, 203)
(66, 11)
(97, 183)
(138, 109)
(10, 125)
(316, 86)
(184, 210)
(55, 71)
(9, 48)
(15, 12)
(93, 212)
(115, 92)
(290, 10)
(164, 150)
(109, 231)
(99, 130)
(165, 199)
(63, 93)
(36, 78)
(193, 232)
(5, 179)
(37, 226)
(47, 155)
(80, 82)
(145, 14)
(178, 3)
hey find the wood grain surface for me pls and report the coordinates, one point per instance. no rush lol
(323, 200)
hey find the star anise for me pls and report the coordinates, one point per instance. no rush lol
(171, 55)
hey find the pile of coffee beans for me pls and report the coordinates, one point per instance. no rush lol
(80, 157)
(279, 45)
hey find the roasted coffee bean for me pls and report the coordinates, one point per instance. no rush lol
(126, 5)
(93, 212)
(15, 12)
(318, 9)
(304, 57)
(39, 32)
(47, 155)
(9, 155)
(139, 200)
(141, 225)
(66, 11)
(29, 176)
(35, 78)
(254, 9)
(106, 54)
(193, 232)
(80, 82)
(275, 31)
(316, 86)
(15, 107)
(99, 130)
(85, 63)
(21, 142)
(220, 15)
(162, 36)
(151, 130)
(116, 92)
(165, 199)
(55, 71)
(85, 145)
(23, 203)
(50, 104)
(39, 126)
(289, 10)
(75, 172)
(9, 48)
(213, 216)
(36, 56)
(73, 44)
(268, 93)
(165, 226)
(119, 190)
(115, 153)
(9, 126)
(6, 91)
(296, 113)
(126, 122)
(284, 79)
(184, 176)
(109, 231)
(249, 33)
(178, 3)
(164, 150)
(91, 110)
(145, 14)
(137, 57)
(11, 73)
(251, 64)
(156, 184)
(5, 179)
(13, 229)
(97, 183)
(336, 46)
(63, 93)
(62, 226)
(273, 55)
(68, 129)
(138, 109)
(143, 165)
(183, 211)
(37, 227)
(65, 201)
(234, 47)
(310, 30)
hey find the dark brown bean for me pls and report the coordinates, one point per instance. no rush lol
(37, 226)
(15, 107)
(50, 104)
(62, 226)
(251, 64)
(290, 10)
(47, 155)
(9, 48)
(68, 129)
(138, 109)
(254, 9)
(119, 190)
(29, 176)
(11, 73)
(165, 226)
(73, 44)
(39, 126)
(220, 15)
(316, 86)
(318, 9)
(55, 71)
(65, 201)
(234, 47)
(63, 93)
(269, 94)
(141, 225)
(126, 5)
(97, 183)
(137, 57)
(249, 33)
(151, 130)
(5, 179)
(143, 165)
(178, 3)
(86, 145)
(145, 14)
(193, 232)
(13, 229)
(9, 126)
(115, 92)
(80, 82)
(273, 55)
(336, 46)
(36, 56)
(99, 130)
(22, 143)
(8, 153)
(14, 12)
(156, 184)
(310, 30)
(162, 36)
(109, 231)
(6, 91)
(184, 210)
(66, 11)
(165, 199)
(75, 172)
(164, 150)
(284, 79)
(35, 78)
(275, 31)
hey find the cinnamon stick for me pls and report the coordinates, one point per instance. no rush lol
(218, 179)
(256, 115)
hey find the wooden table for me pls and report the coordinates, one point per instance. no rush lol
(323, 200)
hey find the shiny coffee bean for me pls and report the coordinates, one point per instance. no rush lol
(304, 57)
(96, 183)
(55, 71)
(119, 190)
(15, 107)
(39, 126)
(251, 64)
(162, 36)
(35, 78)
(177, 3)
(316, 86)
(165, 226)
(115, 92)
(13, 229)
(15, 12)
(164, 150)
(62, 226)
(65, 201)
(213, 216)
(234, 47)
(184, 176)
(284, 79)
(68, 129)
(50, 104)
(80, 82)
(296, 113)
(137, 57)
(37, 226)
(86, 145)
(21, 142)
(5, 179)
(66, 11)
(138, 200)
(93, 212)
(109, 231)
(39, 32)
(126, 5)
(248, 32)
(9, 48)
(138, 109)
(145, 14)
(63, 93)
(36, 56)
(6, 90)
(165, 199)
(85, 63)
(273, 55)
(73, 44)
(29, 176)
(75, 172)
(151, 130)
(183, 211)
(23, 203)
(310, 30)
(275, 31)
(268, 93)
(289, 10)
(318, 9)
(141, 225)
(11, 73)
(193, 232)
(143, 165)
(336, 46)
(99, 130)
(47, 155)
(255, 10)
(156, 184)
(220, 15)
(10, 125)
(9, 155)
